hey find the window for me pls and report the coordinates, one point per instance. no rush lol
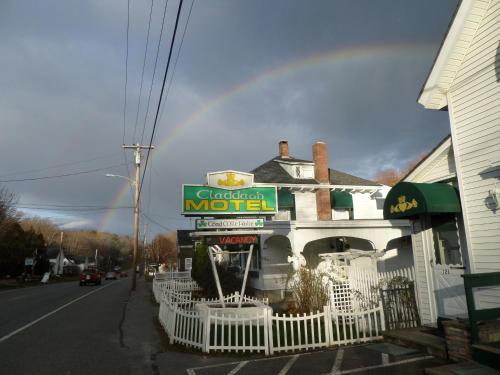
(298, 172)
(446, 241)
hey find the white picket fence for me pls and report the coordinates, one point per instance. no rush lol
(359, 289)
(205, 325)
(160, 286)
(355, 315)
(173, 275)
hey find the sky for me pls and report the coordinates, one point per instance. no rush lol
(247, 75)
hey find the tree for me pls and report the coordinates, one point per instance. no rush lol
(391, 176)
(163, 248)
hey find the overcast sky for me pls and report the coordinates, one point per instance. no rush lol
(249, 73)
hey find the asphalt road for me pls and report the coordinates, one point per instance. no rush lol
(65, 329)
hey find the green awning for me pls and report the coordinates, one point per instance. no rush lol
(340, 199)
(285, 199)
(408, 199)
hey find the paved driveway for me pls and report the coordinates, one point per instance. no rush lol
(363, 359)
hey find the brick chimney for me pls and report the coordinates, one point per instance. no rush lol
(283, 148)
(322, 175)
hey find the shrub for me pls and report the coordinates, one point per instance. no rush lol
(310, 290)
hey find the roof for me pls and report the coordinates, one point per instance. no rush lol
(272, 172)
(460, 34)
(341, 178)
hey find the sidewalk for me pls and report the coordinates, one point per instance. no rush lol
(138, 333)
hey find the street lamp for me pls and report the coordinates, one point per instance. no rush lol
(136, 221)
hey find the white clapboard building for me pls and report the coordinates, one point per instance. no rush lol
(465, 81)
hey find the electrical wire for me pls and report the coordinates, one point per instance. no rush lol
(59, 165)
(63, 175)
(162, 90)
(62, 205)
(143, 68)
(176, 60)
(125, 159)
(154, 70)
(75, 210)
(155, 222)
(126, 75)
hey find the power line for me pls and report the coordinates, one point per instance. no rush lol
(126, 75)
(62, 205)
(63, 175)
(58, 165)
(155, 222)
(176, 60)
(74, 210)
(154, 70)
(143, 68)
(125, 96)
(162, 89)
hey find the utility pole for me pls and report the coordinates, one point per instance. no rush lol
(137, 182)
(145, 257)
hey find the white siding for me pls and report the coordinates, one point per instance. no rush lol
(441, 168)
(365, 207)
(422, 275)
(474, 104)
(305, 206)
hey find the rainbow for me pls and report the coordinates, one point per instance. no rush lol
(329, 58)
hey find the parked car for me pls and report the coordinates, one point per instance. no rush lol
(111, 275)
(123, 274)
(90, 276)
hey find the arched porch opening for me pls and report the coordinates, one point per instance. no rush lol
(275, 255)
(339, 244)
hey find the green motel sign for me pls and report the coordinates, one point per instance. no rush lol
(207, 200)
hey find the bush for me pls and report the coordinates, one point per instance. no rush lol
(310, 290)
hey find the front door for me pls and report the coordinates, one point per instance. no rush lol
(447, 266)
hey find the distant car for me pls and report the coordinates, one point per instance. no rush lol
(111, 275)
(123, 274)
(117, 268)
(90, 276)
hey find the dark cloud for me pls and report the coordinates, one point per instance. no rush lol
(62, 72)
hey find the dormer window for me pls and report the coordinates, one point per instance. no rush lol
(298, 172)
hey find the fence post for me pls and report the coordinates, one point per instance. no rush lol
(269, 322)
(265, 317)
(382, 316)
(328, 325)
(172, 324)
(206, 329)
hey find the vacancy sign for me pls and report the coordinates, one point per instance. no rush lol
(229, 223)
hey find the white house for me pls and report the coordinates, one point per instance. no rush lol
(321, 211)
(465, 81)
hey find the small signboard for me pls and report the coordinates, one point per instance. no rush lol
(229, 223)
(188, 264)
(28, 261)
(233, 240)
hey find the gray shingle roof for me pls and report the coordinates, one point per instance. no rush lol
(341, 178)
(272, 172)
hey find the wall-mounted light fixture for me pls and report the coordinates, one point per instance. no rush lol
(495, 195)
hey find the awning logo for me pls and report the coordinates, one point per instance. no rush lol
(403, 205)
